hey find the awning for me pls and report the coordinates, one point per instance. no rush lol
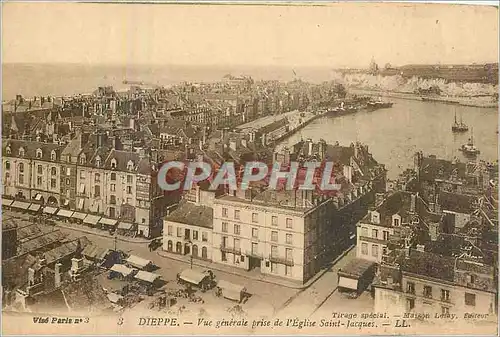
(38, 197)
(34, 207)
(108, 222)
(20, 204)
(125, 225)
(192, 276)
(49, 210)
(65, 213)
(146, 276)
(7, 202)
(137, 261)
(349, 283)
(122, 269)
(231, 290)
(91, 219)
(81, 203)
(79, 216)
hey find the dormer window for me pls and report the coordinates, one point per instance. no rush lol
(396, 220)
(98, 161)
(130, 165)
(53, 155)
(113, 163)
(39, 153)
(375, 217)
(7, 150)
(82, 159)
(21, 152)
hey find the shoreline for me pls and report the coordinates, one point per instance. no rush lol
(443, 100)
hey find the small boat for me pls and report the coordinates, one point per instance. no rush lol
(459, 127)
(378, 105)
(470, 149)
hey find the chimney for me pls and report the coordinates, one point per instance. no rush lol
(420, 248)
(413, 202)
(310, 147)
(57, 275)
(379, 199)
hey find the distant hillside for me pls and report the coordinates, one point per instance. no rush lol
(474, 73)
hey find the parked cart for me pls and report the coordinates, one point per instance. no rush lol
(205, 280)
(230, 291)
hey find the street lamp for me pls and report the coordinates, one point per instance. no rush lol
(191, 253)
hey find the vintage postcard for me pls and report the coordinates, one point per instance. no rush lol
(250, 169)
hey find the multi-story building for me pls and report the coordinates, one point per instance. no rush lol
(276, 232)
(32, 170)
(188, 229)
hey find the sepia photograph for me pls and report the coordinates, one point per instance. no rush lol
(319, 168)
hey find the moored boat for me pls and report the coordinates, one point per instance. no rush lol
(470, 149)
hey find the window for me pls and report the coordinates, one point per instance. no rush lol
(364, 248)
(204, 236)
(97, 191)
(21, 167)
(237, 214)
(237, 229)
(113, 163)
(112, 212)
(224, 212)
(289, 239)
(375, 250)
(130, 165)
(53, 171)
(21, 178)
(113, 176)
(112, 200)
(364, 231)
(112, 187)
(179, 232)
(255, 233)
(274, 236)
(39, 181)
(445, 295)
(82, 174)
(255, 217)
(7, 149)
(470, 299)
(224, 241)
(274, 267)
(471, 279)
(129, 179)
(445, 310)
(7, 165)
(428, 291)
(386, 235)
(97, 178)
(195, 235)
(39, 169)
(289, 223)
(129, 189)
(396, 222)
(98, 161)
(129, 201)
(274, 220)
(224, 257)
(68, 171)
(410, 287)
(39, 153)
(53, 155)
(170, 230)
(274, 251)
(410, 302)
(53, 183)
(68, 181)
(374, 233)
(255, 248)
(21, 152)
(224, 227)
(82, 160)
(236, 243)
(143, 220)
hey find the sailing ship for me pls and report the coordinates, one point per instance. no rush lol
(470, 149)
(459, 127)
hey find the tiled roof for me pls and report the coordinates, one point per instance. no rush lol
(191, 214)
(429, 265)
(30, 149)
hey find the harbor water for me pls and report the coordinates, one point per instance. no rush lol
(395, 134)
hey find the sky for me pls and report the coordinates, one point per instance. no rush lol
(323, 35)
